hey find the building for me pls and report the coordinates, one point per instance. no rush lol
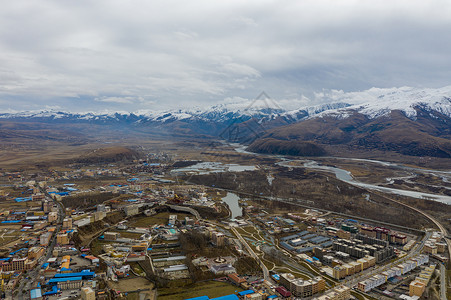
(254, 296)
(62, 238)
(65, 263)
(339, 272)
(302, 288)
(283, 291)
(222, 269)
(36, 294)
(236, 279)
(102, 207)
(416, 288)
(218, 239)
(368, 231)
(44, 239)
(131, 210)
(430, 248)
(400, 239)
(68, 283)
(441, 247)
(379, 279)
(418, 285)
(47, 206)
(409, 245)
(343, 234)
(371, 283)
(35, 252)
(82, 222)
(99, 215)
(172, 220)
(67, 223)
(87, 293)
(349, 228)
(111, 236)
(357, 266)
(16, 264)
(338, 293)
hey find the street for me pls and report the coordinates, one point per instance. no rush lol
(32, 275)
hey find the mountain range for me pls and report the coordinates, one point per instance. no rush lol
(408, 121)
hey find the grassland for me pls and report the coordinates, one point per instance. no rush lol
(160, 218)
(96, 246)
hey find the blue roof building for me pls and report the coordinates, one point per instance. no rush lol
(302, 233)
(247, 292)
(228, 297)
(298, 242)
(327, 244)
(36, 294)
(290, 237)
(309, 236)
(64, 279)
(286, 246)
(319, 239)
(304, 250)
(83, 274)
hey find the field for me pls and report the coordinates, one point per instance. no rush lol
(160, 218)
(129, 285)
(128, 235)
(8, 235)
(210, 288)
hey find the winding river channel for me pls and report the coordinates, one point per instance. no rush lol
(347, 177)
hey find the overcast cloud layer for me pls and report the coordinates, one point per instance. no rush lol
(131, 55)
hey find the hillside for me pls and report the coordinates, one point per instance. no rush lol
(405, 121)
(426, 135)
(286, 147)
(107, 155)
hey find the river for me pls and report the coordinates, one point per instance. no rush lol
(231, 200)
(346, 176)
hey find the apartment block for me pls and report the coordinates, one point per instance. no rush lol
(302, 288)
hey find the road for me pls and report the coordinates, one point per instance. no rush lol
(444, 232)
(32, 275)
(443, 282)
(373, 271)
(266, 274)
(432, 219)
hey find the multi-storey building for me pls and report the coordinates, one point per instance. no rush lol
(300, 287)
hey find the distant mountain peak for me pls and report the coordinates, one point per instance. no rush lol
(377, 102)
(374, 103)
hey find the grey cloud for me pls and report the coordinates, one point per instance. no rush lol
(180, 53)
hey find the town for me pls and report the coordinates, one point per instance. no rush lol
(137, 231)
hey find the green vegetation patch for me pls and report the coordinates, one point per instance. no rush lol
(160, 218)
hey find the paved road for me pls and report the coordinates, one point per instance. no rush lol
(266, 274)
(443, 282)
(377, 270)
(32, 275)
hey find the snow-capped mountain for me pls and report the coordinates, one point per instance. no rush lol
(408, 121)
(396, 118)
(378, 102)
(375, 102)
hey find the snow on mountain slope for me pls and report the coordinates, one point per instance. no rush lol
(373, 103)
(377, 102)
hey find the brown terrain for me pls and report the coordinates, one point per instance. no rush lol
(393, 134)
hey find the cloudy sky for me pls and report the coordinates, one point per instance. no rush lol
(132, 55)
